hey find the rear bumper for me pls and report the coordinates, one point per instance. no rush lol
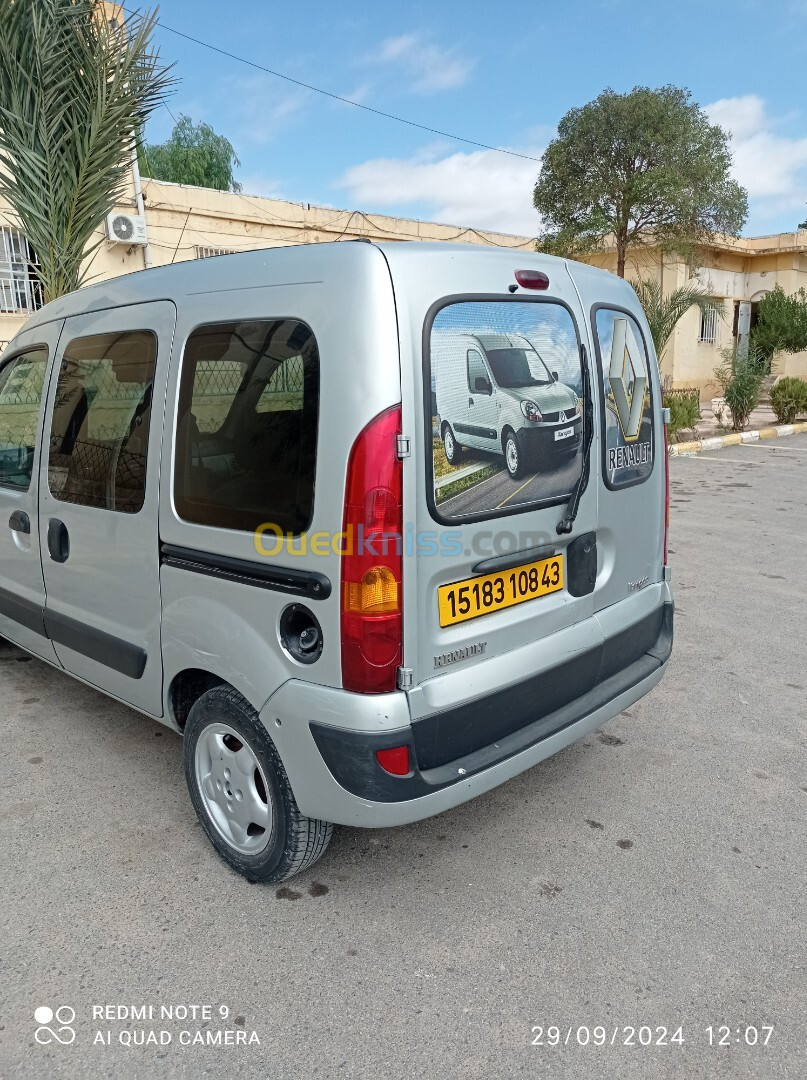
(333, 769)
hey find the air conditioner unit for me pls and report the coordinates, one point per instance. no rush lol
(126, 228)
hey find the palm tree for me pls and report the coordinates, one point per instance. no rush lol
(663, 312)
(74, 91)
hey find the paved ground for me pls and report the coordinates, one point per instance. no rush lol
(653, 874)
(555, 479)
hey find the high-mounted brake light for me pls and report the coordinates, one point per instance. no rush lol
(532, 279)
(372, 560)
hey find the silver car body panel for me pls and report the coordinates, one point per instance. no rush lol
(367, 306)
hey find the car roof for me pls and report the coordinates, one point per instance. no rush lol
(301, 263)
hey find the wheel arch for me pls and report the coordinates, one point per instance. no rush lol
(185, 689)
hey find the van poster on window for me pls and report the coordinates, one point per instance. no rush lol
(506, 407)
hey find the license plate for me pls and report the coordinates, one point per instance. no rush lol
(564, 433)
(477, 596)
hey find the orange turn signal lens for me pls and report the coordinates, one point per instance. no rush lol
(375, 594)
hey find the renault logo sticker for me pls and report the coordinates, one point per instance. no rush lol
(627, 375)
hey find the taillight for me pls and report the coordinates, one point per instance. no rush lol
(666, 492)
(372, 559)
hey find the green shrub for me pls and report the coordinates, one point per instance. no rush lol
(685, 409)
(789, 399)
(741, 376)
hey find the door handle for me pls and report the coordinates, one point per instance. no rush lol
(19, 522)
(470, 401)
(58, 540)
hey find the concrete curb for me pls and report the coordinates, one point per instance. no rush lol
(717, 442)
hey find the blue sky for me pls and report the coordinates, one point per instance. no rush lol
(499, 73)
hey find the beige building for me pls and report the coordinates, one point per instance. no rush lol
(189, 223)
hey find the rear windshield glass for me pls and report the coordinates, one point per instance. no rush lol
(247, 426)
(506, 416)
(628, 413)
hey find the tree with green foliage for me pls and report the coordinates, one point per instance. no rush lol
(741, 376)
(637, 168)
(781, 323)
(664, 312)
(193, 154)
(74, 90)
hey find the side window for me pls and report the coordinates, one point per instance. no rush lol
(476, 370)
(21, 382)
(627, 389)
(101, 419)
(246, 439)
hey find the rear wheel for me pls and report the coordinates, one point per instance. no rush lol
(513, 456)
(241, 792)
(452, 448)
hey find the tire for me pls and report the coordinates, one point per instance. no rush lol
(453, 450)
(262, 833)
(513, 455)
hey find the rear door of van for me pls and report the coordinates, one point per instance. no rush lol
(486, 570)
(628, 467)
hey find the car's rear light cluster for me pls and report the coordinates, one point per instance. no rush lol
(372, 559)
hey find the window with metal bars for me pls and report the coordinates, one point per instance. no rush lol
(211, 252)
(708, 330)
(20, 288)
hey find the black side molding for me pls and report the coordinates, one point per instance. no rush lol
(276, 578)
(108, 650)
(24, 612)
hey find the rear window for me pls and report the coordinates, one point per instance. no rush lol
(627, 389)
(247, 426)
(505, 414)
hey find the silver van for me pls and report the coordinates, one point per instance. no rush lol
(509, 403)
(226, 500)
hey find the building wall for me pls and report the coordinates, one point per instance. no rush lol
(734, 271)
(185, 222)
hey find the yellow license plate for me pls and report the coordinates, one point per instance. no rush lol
(477, 596)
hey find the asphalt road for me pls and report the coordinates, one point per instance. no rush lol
(653, 874)
(550, 482)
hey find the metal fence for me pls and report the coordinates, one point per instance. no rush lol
(216, 378)
(213, 379)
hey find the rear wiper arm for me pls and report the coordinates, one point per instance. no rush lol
(573, 505)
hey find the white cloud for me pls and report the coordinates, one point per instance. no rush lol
(482, 189)
(429, 67)
(258, 184)
(773, 167)
(260, 108)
